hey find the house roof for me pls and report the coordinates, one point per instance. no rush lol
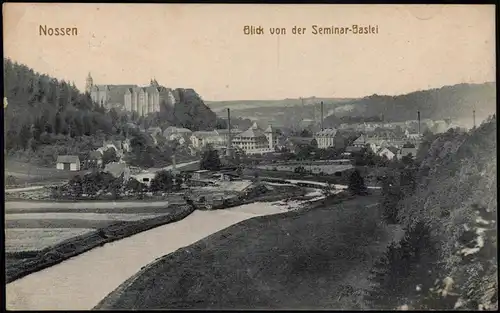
(360, 140)
(271, 129)
(300, 140)
(226, 131)
(205, 134)
(328, 132)
(68, 159)
(255, 126)
(252, 133)
(393, 150)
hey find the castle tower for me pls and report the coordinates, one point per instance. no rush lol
(89, 82)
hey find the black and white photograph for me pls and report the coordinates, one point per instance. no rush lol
(250, 156)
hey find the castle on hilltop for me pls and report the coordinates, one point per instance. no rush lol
(132, 98)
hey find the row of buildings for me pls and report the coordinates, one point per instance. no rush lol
(254, 140)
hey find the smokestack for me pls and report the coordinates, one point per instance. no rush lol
(474, 117)
(418, 116)
(321, 115)
(229, 135)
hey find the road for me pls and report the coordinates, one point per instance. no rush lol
(24, 189)
(180, 165)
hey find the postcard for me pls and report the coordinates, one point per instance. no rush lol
(250, 156)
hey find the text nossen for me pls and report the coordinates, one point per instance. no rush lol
(58, 31)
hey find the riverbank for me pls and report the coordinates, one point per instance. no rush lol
(20, 264)
(317, 258)
(80, 282)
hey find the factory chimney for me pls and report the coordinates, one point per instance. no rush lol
(321, 115)
(418, 117)
(474, 117)
(229, 150)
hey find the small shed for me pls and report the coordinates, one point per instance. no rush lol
(68, 163)
(201, 174)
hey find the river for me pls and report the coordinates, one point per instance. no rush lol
(81, 282)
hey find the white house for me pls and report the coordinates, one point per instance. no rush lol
(326, 138)
(68, 162)
(200, 139)
(176, 130)
(144, 177)
(389, 152)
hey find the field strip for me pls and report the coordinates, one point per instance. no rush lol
(36, 239)
(82, 216)
(81, 204)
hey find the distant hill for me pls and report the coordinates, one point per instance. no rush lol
(237, 105)
(456, 102)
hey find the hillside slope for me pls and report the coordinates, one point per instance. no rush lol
(454, 206)
(190, 111)
(457, 101)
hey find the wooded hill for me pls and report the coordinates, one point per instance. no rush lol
(43, 111)
(456, 102)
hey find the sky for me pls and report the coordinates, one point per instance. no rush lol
(203, 46)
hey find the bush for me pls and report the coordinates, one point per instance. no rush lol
(163, 181)
(11, 180)
(357, 183)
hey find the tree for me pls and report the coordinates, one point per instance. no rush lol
(134, 185)
(163, 181)
(109, 156)
(178, 181)
(357, 183)
(210, 160)
(391, 195)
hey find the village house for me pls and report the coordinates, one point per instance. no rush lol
(175, 133)
(224, 133)
(408, 150)
(201, 174)
(68, 163)
(325, 138)
(200, 139)
(360, 141)
(144, 177)
(389, 152)
(294, 144)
